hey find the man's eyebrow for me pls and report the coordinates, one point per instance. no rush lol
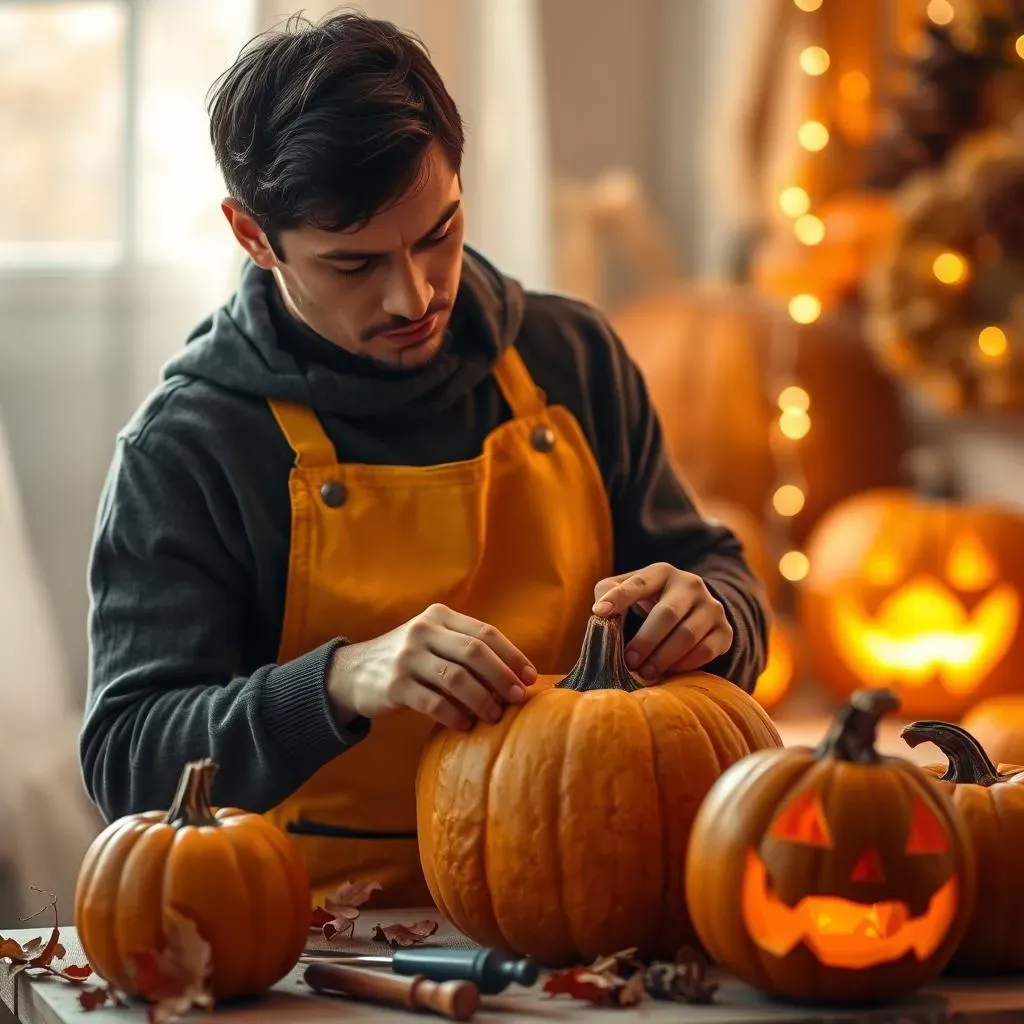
(347, 254)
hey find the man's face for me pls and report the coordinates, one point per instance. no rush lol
(385, 290)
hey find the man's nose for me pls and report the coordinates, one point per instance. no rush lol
(408, 291)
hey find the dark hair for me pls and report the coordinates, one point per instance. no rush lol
(326, 124)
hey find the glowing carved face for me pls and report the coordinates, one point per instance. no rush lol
(866, 920)
(924, 630)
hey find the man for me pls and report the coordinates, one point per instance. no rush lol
(381, 488)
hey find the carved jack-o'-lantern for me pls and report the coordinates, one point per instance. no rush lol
(833, 874)
(918, 595)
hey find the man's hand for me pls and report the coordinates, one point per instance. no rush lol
(443, 664)
(686, 625)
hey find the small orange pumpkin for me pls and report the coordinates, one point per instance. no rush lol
(560, 832)
(834, 874)
(991, 802)
(239, 878)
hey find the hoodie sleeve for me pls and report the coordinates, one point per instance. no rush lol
(656, 520)
(168, 605)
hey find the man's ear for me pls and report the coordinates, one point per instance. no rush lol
(250, 235)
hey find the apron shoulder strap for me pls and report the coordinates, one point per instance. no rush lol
(513, 378)
(304, 433)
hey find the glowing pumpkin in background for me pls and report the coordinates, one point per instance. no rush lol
(708, 351)
(832, 875)
(998, 725)
(920, 595)
(781, 668)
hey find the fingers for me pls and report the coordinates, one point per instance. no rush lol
(493, 649)
(700, 637)
(617, 594)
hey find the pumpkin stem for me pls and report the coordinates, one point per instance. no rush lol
(852, 734)
(602, 663)
(968, 762)
(193, 804)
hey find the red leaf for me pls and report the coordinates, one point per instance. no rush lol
(75, 972)
(94, 997)
(404, 934)
(580, 983)
(175, 979)
(337, 917)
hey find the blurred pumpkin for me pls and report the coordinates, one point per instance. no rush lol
(918, 594)
(991, 803)
(236, 876)
(998, 725)
(833, 874)
(781, 667)
(852, 232)
(560, 832)
(707, 355)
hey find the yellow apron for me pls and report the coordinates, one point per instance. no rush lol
(516, 537)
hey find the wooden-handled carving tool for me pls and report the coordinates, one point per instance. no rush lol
(456, 1000)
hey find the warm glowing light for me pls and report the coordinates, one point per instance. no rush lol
(809, 229)
(794, 201)
(813, 136)
(992, 342)
(814, 60)
(922, 633)
(775, 679)
(1019, 46)
(794, 566)
(808, 5)
(969, 565)
(794, 397)
(805, 309)
(788, 500)
(855, 85)
(794, 423)
(950, 267)
(843, 933)
(940, 12)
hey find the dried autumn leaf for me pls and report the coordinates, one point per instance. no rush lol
(337, 917)
(174, 980)
(93, 997)
(38, 955)
(404, 935)
(682, 981)
(581, 983)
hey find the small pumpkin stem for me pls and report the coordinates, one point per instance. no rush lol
(854, 730)
(193, 803)
(602, 663)
(968, 762)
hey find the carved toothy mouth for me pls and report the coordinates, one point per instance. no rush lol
(839, 932)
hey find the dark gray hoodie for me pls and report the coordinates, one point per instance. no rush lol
(189, 564)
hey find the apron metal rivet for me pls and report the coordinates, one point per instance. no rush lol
(333, 494)
(542, 438)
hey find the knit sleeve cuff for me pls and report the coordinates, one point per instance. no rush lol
(297, 712)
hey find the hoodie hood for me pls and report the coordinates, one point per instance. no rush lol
(239, 348)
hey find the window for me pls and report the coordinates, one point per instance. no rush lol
(107, 156)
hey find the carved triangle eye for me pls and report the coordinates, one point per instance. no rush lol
(927, 834)
(802, 820)
(868, 867)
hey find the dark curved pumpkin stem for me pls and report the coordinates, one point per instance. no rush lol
(852, 734)
(602, 663)
(968, 762)
(193, 804)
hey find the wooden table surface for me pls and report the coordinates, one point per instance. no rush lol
(46, 1000)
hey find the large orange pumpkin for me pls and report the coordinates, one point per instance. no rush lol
(834, 874)
(235, 875)
(921, 595)
(706, 353)
(991, 802)
(560, 832)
